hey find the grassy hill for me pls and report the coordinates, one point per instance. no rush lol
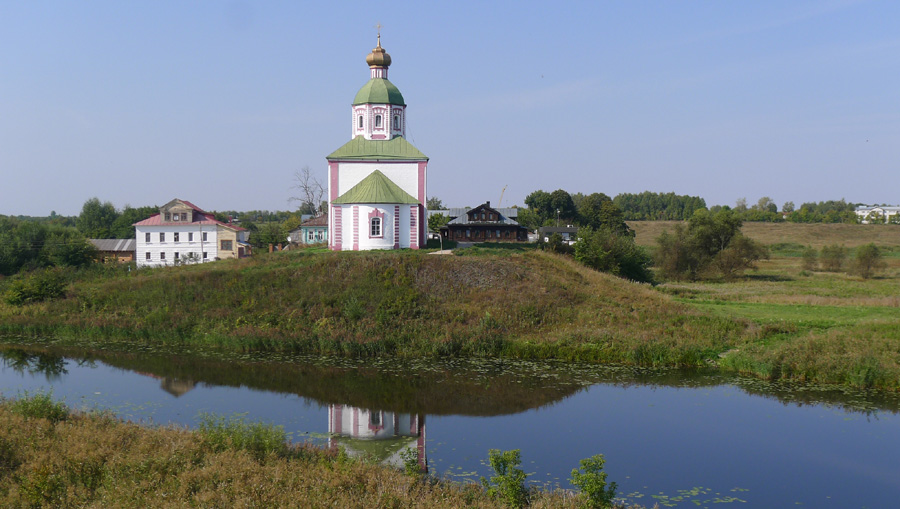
(780, 321)
(525, 304)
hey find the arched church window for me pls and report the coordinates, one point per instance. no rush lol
(360, 122)
(396, 121)
(375, 230)
(377, 120)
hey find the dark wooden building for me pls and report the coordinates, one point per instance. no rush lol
(484, 224)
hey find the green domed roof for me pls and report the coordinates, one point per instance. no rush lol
(379, 91)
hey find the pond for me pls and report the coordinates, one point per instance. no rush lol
(673, 437)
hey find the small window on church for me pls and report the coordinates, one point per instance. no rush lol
(377, 120)
(396, 121)
(375, 230)
(359, 122)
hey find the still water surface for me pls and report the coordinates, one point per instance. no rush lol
(677, 438)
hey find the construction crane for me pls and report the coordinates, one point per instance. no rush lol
(500, 201)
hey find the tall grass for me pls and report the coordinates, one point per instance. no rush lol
(260, 439)
(98, 461)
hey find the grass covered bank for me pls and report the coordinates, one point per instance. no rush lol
(518, 304)
(52, 457)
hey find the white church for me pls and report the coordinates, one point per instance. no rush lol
(376, 181)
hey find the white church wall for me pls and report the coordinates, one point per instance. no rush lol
(405, 175)
(392, 230)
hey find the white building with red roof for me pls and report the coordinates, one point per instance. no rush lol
(184, 233)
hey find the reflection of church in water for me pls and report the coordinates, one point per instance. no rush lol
(377, 434)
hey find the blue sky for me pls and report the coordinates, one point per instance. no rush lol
(220, 103)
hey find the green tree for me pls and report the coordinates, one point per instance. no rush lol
(436, 221)
(31, 245)
(96, 219)
(687, 253)
(529, 219)
(434, 203)
(598, 211)
(123, 226)
(539, 204)
(268, 233)
(766, 204)
(66, 247)
(292, 223)
(788, 207)
(562, 206)
(658, 206)
(607, 251)
(868, 261)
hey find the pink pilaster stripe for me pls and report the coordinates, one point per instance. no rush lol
(337, 236)
(396, 226)
(336, 423)
(414, 226)
(333, 178)
(422, 181)
(356, 227)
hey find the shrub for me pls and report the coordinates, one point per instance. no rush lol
(810, 259)
(509, 483)
(411, 465)
(741, 254)
(608, 251)
(40, 406)
(833, 258)
(868, 261)
(591, 480)
(38, 286)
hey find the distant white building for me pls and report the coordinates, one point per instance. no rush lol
(183, 233)
(876, 214)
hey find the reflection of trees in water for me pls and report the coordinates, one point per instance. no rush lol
(50, 365)
(455, 387)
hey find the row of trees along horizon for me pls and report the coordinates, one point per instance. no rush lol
(28, 242)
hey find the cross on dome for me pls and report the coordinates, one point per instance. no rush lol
(378, 57)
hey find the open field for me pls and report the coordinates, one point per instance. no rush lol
(813, 234)
(816, 326)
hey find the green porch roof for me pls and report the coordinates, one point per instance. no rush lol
(379, 91)
(376, 188)
(396, 148)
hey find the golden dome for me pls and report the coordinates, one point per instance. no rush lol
(378, 57)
